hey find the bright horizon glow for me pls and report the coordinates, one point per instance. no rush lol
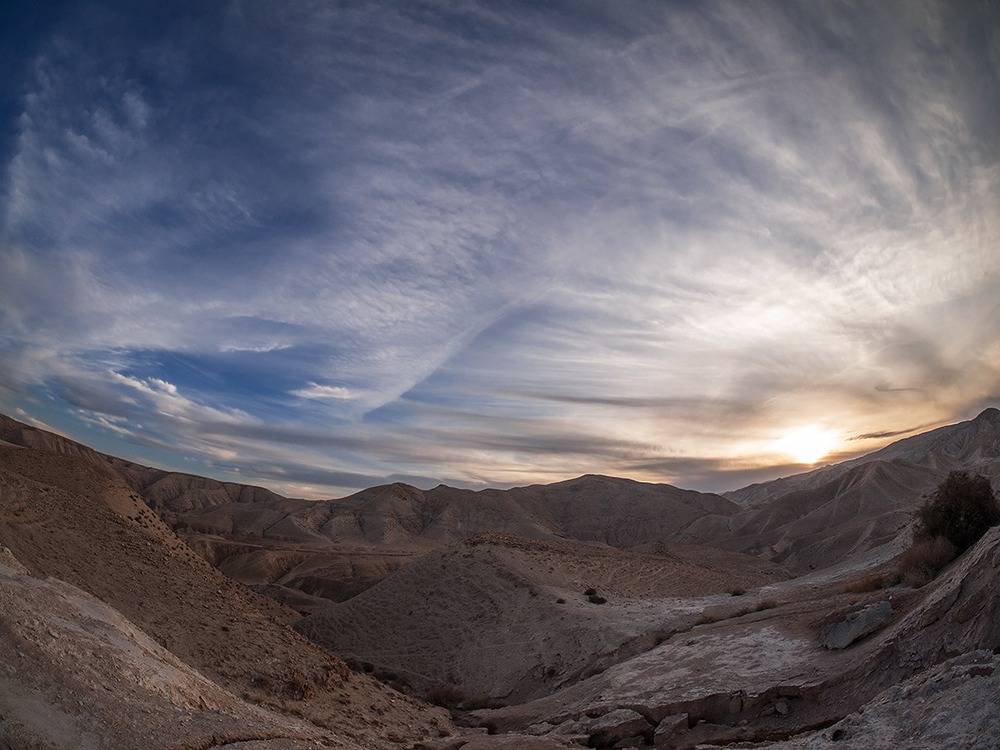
(807, 445)
(325, 246)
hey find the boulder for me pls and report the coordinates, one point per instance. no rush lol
(668, 729)
(856, 625)
(618, 725)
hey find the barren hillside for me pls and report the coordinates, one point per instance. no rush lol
(65, 517)
(763, 672)
(514, 616)
(855, 508)
(549, 616)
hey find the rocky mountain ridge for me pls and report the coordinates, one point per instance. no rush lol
(970, 445)
(597, 611)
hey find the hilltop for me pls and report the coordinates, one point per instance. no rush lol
(148, 608)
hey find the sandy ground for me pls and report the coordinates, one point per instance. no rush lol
(118, 634)
(67, 518)
(514, 617)
(75, 673)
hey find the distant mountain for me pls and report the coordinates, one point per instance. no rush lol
(811, 520)
(825, 516)
(337, 548)
(298, 549)
(609, 510)
(617, 512)
(973, 446)
(116, 631)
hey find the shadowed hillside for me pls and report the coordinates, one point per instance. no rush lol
(514, 616)
(561, 615)
(72, 519)
(861, 506)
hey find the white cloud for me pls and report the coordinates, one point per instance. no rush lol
(254, 348)
(169, 402)
(662, 233)
(316, 391)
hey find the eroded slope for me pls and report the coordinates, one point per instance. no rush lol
(68, 518)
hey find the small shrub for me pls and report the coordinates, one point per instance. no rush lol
(950, 521)
(961, 509)
(871, 582)
(925, 559)
(590, 592)
(299, 686)
(595, 599)
(737, 591)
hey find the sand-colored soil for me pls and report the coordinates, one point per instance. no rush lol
(514, 617)
(77, 674)
(63, 516)
(538, 614)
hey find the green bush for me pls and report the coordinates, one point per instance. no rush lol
(961, 509)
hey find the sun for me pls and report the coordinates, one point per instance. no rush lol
(807, 445)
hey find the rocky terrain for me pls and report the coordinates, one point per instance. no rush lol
(514, 616)
(144, 608)
(114, 629)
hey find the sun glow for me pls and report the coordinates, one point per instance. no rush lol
(807, 445)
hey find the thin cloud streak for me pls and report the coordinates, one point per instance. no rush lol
(490, 247)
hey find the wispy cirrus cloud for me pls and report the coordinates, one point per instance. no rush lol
(485, 247)
(316, 391)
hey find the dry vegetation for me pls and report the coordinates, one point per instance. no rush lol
(924, 559)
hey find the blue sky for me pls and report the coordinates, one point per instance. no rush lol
(321, 246)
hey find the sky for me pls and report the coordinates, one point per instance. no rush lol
(321, 246)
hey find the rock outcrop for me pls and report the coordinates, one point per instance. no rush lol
(856, 625)
(758, 674)
(75, 673)
(951, 705)
(106, 609)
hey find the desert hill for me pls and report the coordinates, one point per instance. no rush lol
(121, 615)
(970, 445)
(298, 550)
(807, 522)
(760, 673)
(78, 674)
(865, 509)
(598, 611)
(385, 528)
(857, 507)
(513, 616)
(304, 552)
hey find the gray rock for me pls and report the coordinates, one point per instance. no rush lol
(856, 625)
(7, 558)
(618, 725)
(570, 727)
(668, 729)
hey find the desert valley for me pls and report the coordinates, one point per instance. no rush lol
(147, 609)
